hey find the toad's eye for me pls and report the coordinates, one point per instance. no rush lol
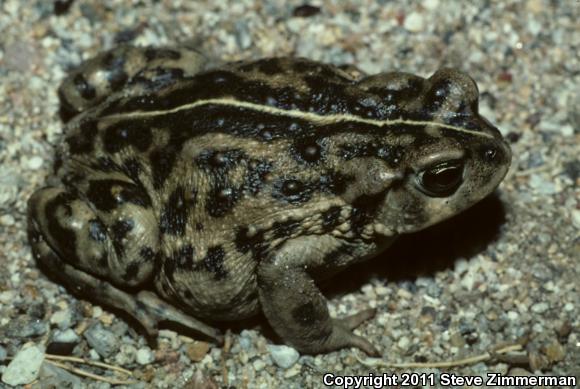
(442, 179)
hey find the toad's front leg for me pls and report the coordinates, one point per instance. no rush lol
(294, 305)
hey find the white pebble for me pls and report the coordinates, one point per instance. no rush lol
(7, 220)
(414, 22)
(403, 343)
(283, 356)
(540, 307)
(259, 365)
(567, 130)
(35, 162)
(576, 218)
(431, 4)
(24, 367)
(145, 356)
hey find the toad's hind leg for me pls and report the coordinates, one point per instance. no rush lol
(134, 70)
(91, 250)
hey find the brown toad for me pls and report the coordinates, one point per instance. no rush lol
(234, 190)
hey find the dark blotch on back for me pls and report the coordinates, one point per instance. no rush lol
(334, 182)
(436, 95)
(255, 243)
(256, 175)
(183, 258)
(214, 263)
(222, 198)
(84, 141)
(285, 229)
(119, 231)
(328, 96)
(180, 259)
(270, 66)
(173, 218)
(157, 78)
(331, 218)
(147, 254)
(222, 160)
(390, 154)
(389, 95)
(364, 210)
(223, 194)
(66, 238)
(131, 271)
(86, 90)
(213, 84)
(127, 133)
(291, 190)
(309, 150)
(105, 164)
(162, 161)
(132, 168)
(115, 66)
(97, 230)
(107, 194)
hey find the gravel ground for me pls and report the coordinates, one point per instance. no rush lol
(504, 272)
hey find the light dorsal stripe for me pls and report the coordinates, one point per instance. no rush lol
(309, 116)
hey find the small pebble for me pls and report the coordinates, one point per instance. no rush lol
(431, 4)
(283, 356)
(24, 368)
(54, 377)
(35, 162)
(26, 327)
(540, 307)
(7, 220)
(62, 318)
(145, 356)
(126, 355)
(519, 372)
(555, 352)
(403, 343)
(245, 341)
(576, 218)
(66, 336)
(541, 185)
(258, 364)
(103, 341)
(197, 351)
(414, 22)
